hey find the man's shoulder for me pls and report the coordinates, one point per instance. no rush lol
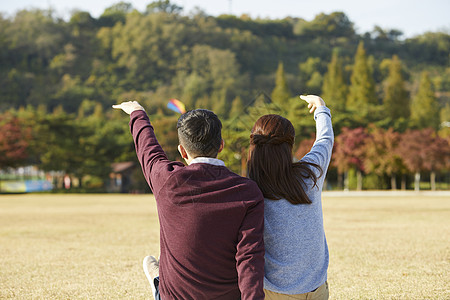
(226, 172)
(221, 174)
(247, 181)
(249, 188)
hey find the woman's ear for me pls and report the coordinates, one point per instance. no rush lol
(182, 152)
(222, 144)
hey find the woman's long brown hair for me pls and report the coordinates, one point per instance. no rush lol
(270, 162)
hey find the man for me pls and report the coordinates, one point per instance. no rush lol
(211, 220)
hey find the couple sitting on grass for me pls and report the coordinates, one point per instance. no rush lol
(223, 236)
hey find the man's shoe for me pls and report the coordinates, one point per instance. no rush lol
(151, 268)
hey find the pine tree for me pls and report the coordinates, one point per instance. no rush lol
(445, 122)
(425, 107)
(220, 105)
(281, 94)
(334, 89)
(362, 85)
(445, 115)
(396, 100)
(237, 107)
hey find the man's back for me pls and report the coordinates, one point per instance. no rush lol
(201, 220)
(211, 224)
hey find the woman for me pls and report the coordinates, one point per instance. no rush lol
(296, 259)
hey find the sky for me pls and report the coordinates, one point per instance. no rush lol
(412, 17)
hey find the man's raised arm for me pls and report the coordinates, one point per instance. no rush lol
(148, 150)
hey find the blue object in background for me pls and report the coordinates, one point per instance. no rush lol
(25, 186)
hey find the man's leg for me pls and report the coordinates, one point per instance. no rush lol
(156, 294)
(151, 270)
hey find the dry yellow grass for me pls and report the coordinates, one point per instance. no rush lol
(92, 246)
(76, 246)
(388, 247)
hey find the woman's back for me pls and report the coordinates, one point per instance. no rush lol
(296, 259)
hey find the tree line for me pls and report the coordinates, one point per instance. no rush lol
(58, 79)
(386, 157)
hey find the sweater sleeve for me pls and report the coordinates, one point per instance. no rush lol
(322, 148)
(250, 253)
(155, 165)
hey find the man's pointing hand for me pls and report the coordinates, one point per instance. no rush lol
(129, 106)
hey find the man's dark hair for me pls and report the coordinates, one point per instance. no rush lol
(199, 132)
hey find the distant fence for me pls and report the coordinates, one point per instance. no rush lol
(25, 186)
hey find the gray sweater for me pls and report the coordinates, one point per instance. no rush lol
(296, 259)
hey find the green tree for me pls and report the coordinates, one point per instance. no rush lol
(148, 49)
(220, 106)
(83, 146)
(58, 144)
(219, 71)
(31, 39)
(281, 94)
(425, 108)
(163, 6)
(362, 86)
(195, 87)
(102, 142)
(332, 29)
(105, 75)
(34, 36)
(237, 107)
(84, 44)
(429, 48)
(166, 130)
(4, 43)
(445, 121)
(70, 94)
(314, 84)
(396, 99)
(311, 75)
(335, 89)
(115, 13)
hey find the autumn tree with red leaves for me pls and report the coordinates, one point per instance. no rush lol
(382, 155)
(304, 147)
(13, 142)
(438, 153)
(349, 153)
(424, 151)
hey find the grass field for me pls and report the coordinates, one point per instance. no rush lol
(92, 246)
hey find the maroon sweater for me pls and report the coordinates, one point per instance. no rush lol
(211, 224)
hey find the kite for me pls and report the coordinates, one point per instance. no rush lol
(176, 106)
